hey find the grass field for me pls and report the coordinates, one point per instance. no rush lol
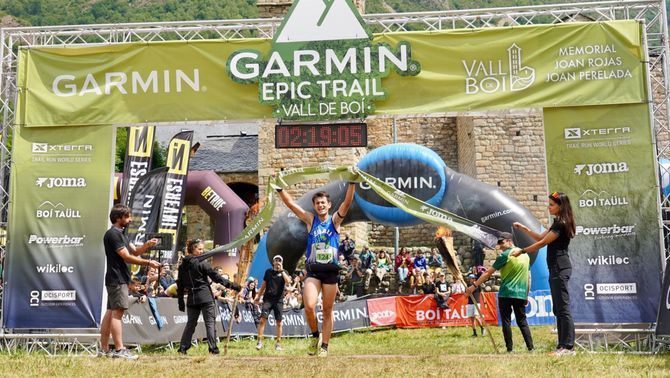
(393, 352)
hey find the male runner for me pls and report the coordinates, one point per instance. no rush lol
(322, 260)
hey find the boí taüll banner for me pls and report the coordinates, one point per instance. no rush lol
(61, 192)
(139, 150)
(174, 191)
(602, 157)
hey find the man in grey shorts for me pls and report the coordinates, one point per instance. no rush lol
(119, 252)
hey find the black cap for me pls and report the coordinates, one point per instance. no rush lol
(505, 236)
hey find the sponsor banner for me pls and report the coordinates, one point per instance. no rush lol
(245, 320)
(339, 76)
(663, 321)
(396, 197)
(603, 158)
(539, 310)
(421, 311)
(139, 150)
(382, 311)
(145, 203)
(174, 191)
(139, 325)
(348, 315)
(60, 193)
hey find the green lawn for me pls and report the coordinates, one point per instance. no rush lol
(393, 352)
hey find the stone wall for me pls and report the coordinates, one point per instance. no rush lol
(509, 153)
(504, 149)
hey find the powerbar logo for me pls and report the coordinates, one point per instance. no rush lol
(56, 241)
(607, 260)
(579, 133)
(600, 168)
(60, 182)
(607, 232)
(54, 269)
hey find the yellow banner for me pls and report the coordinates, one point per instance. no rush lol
(394, 73)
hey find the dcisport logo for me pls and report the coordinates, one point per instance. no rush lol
(411, 169)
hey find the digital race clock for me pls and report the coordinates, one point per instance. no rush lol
(321, 135)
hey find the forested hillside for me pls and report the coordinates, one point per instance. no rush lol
(72, 12)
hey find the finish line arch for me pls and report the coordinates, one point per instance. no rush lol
(436, 21)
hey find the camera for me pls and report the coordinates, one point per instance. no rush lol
(164, 240)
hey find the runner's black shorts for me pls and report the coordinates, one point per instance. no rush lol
(326, 273)
(276, 307)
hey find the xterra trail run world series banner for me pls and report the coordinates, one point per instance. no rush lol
(333, 72)
(61, 192)
(602, 157)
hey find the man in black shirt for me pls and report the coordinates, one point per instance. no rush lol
(272, 292)
(442, 291)
(119, 252)
(428, 287)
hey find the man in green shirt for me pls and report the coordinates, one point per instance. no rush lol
(513, 294)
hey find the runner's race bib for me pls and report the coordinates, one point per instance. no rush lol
(324, 254)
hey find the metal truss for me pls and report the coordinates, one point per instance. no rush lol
(616, 338)
(51, 344)
(651, 12)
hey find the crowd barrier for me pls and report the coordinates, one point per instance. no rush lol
(413, 311)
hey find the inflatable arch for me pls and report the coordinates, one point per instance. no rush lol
(421, 173)
(226, 209)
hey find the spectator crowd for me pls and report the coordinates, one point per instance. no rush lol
(363, 272)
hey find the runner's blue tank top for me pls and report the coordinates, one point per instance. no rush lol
(323, 242)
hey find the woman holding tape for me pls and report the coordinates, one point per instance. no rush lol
(557, 239)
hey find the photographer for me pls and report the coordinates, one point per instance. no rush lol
(193, 278)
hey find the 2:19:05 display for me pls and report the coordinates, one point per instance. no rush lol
(321, 135)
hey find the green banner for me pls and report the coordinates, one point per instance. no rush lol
(603, 158)
(394, 73)
(60, 191)
(396, 197)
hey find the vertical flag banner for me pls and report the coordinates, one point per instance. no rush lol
(60, 193)
(603, 158)
(145, 205)
(174, 192)
(138, 158)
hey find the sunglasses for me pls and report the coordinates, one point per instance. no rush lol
(556, 197)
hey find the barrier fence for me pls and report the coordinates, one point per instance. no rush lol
(414, 311)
